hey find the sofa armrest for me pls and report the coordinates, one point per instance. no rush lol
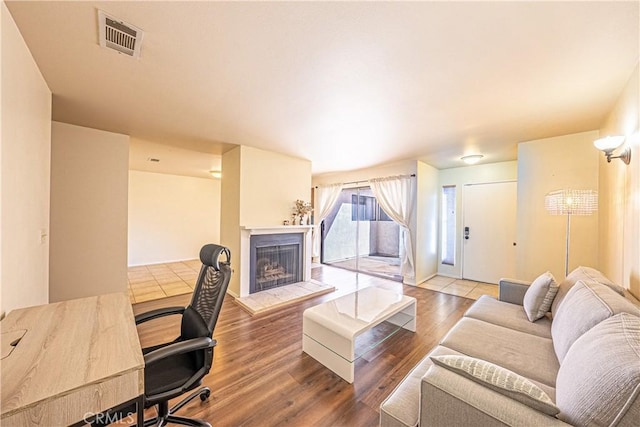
(451, 399)
(512, 290)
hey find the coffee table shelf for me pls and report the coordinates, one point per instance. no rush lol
(330, 331)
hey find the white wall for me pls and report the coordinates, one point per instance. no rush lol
(427, 210)
(259, 188)
(492, 172)
(544, 165)
(619, 189)
(171, 217)
(89, 179)
(25, 157)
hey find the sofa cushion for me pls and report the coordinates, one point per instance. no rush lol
(585, 305)
(499, 379)
(599, 380)
(525, 354)
(402, 407)
(538, 298)
(510, 316)
(449, 399)
(581, 273)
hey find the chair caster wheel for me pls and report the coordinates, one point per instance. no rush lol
(204, 396)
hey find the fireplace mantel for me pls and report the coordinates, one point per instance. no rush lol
(276, 229)
(245, 238)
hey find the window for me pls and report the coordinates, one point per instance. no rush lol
(382, 215)
(363, 208)
(448, 224)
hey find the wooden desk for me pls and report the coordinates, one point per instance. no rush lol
(77, 358)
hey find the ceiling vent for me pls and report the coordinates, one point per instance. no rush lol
(118, 35)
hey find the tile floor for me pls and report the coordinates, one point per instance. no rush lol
(460, 287)
(150, 282)
(384, 266)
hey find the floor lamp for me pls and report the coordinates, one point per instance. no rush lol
(571, 202)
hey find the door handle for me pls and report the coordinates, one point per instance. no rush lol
(466, 233)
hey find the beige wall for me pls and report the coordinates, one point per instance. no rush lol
(171, 217)
(25, 157)
(619, 249)
(270, 185)
(407, 167)
(259, 188)
(478, 174)
(89, 174)
(426, 242)
(230, 213)
(545, 165)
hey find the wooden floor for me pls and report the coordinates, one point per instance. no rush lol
(261, 377)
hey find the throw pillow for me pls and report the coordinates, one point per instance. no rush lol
(499, 379)
(539, 296)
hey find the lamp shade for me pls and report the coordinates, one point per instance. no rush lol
(608, 143)
(571, 202)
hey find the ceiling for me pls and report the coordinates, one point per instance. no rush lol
(346, 85)
(171, 159)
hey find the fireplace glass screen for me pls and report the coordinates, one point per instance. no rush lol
(275, 261)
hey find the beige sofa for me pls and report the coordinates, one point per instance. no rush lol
(586, 360)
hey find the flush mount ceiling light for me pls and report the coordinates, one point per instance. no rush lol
(216, 174)
(471, 159)
(609, 144)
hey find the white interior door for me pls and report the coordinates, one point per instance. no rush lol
(489, 231)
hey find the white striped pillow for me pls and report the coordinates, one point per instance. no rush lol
(499, 379)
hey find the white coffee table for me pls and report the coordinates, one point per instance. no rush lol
(330, 330)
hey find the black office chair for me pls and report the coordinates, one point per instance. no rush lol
(176, 367)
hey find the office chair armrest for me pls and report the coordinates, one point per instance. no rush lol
(160, 312)
(179, 347)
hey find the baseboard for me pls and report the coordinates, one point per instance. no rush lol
(162, 262)
(424, 280)
(233, 294)
(410, 282)
(448, 275)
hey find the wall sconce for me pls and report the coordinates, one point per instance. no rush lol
(216, 174)
(609, 144)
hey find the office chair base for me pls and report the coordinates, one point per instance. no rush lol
(166, 415)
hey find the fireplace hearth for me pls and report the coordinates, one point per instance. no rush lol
(275, 260)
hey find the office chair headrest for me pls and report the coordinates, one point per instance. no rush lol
(210, 255)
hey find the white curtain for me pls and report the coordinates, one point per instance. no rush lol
(396, 196)
(326, 197)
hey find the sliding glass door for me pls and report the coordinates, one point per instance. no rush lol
(358, 235)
